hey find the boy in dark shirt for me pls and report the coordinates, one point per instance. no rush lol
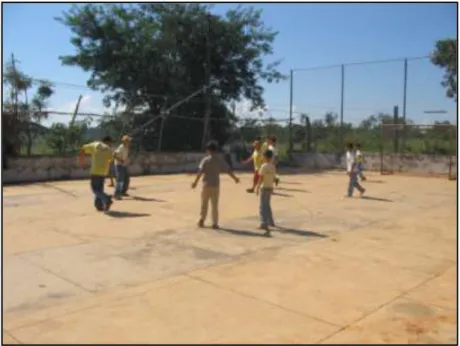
(210, 168)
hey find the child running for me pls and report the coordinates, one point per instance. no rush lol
(101, 156)
(267, 176)
(352, 171)
(360, 161)
(258, 159)
(210, 168)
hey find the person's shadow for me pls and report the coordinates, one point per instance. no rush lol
(370, 198)
(279, 229)
(144, 199)
(125, 214)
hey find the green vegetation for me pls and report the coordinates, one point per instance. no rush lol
(146, 57)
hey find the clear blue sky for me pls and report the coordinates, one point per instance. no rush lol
(309, 35)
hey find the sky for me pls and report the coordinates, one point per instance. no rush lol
(310, 36)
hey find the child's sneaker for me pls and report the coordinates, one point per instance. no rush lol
(215, 227)
(107, 205)
(200, 224)
(250, 190)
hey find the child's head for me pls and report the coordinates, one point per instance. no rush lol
(271, 140)
(126, 140)
(349, 146)
(107, 140)
(268, 155)
(358, 146)
(211, 147)
(256, 145)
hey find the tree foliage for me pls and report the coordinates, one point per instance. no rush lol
(137, 52)
(22, 116)
(445, 56)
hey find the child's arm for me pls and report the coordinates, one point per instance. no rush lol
(197, 178)
(201, 168)
(84, 150)
(249, 159)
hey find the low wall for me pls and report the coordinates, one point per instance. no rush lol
(46, 168)
(412, 164)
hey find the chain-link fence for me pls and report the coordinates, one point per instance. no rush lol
(348, 102)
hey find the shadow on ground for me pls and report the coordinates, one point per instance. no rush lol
(145, 199)
(123, 214)
(370, 198)
(291, 190)
(281, 194)
(279, 229)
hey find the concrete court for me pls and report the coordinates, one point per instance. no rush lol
(376, 270)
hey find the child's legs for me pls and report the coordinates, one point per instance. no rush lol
(360, 170)
(269, 207)
(255, 179)
(205, 196)
(121, 171)
(97, 186)
(357, 185)
(214, 196)
(264, 208)
(351, 184)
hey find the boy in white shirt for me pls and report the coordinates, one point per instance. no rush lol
(267, 176)
(121, 157)
(360, 161)
(352, 171)
(270, 144)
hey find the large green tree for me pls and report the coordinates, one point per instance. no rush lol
(445, 56)
(138, 54)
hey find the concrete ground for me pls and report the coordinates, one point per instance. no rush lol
(375, 270)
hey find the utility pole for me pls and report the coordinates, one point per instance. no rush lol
(395, 133)
(342, 101)
(207, 111)
(68, 137)
(404, 107)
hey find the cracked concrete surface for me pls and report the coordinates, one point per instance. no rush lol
(375, 270)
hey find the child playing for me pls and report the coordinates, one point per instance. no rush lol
(120, 157)
(359, 161)
(258, 159)
(352, 171)
(210, 168)
(101, 156)
(267, 177)
(270, 144)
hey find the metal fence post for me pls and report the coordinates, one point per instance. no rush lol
(291, 97)
(403, 141)
(341, 107)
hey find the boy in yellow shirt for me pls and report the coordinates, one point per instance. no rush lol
(101, 156)
(265, 185)
(258, 159)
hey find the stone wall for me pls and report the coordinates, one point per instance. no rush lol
(46, 168)
(31, 169)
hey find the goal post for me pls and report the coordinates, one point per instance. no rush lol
(416, 149)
